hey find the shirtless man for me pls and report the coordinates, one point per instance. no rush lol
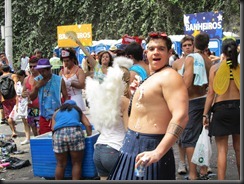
(187, 47)
(196, 70)
(158, 116)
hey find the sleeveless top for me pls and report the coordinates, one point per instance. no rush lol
(22, 102)
(71, 90)
(140, 70)
(18, 88)
(74, 93)
(49, 96)
(35, 103)
(199, 69)
(117, 132)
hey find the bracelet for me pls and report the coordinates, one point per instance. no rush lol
(206, 116)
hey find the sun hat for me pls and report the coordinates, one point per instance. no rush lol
(43, 63)
(71, 102)
(113, 48)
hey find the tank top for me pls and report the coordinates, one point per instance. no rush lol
(35, 103)
(72, 90)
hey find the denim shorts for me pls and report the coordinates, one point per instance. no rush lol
(68, 139)
(105, 158)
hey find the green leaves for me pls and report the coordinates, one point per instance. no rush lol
(35, 22)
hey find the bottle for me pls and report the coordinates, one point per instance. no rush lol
(2, 137)
(140, 170)
(4, 152)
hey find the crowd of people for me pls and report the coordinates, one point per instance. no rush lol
(142, 101)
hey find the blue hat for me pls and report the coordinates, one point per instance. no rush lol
(71, 102)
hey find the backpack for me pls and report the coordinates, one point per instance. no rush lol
(7, 87)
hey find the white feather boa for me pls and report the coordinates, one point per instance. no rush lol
(123, 61)
(104, 99)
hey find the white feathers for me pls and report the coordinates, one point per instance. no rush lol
(104, 99)
(123, 61)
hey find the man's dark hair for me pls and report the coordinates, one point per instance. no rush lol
(187, 38)
(162, 35)
(134, 49)
(6, 68)
(201, 41)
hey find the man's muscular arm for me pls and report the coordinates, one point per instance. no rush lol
(174, 129)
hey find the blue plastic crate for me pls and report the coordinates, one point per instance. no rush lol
(44, 161)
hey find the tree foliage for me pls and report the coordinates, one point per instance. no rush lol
(35, 22)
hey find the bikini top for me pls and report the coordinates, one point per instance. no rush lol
(231, 72)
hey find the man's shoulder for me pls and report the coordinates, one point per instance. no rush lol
(6, 75)
(177, 62)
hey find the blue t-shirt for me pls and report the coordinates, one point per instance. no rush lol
(67, 119)
(140, 70)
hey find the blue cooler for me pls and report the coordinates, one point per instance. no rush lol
(44, 161)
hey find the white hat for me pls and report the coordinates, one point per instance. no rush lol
(113, 48)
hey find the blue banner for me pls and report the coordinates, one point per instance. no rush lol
(208, 22)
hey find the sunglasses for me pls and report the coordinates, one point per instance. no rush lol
(157, 34)
(33, 66)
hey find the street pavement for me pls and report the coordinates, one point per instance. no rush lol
(26, 173)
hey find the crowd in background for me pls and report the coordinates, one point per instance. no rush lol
(160, 98)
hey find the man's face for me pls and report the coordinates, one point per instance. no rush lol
(187, 47)
(38, 55)
(157, 53)
(45, 72)
(3, 57)
(32, 67)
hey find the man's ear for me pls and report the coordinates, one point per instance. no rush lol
(171, 51)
